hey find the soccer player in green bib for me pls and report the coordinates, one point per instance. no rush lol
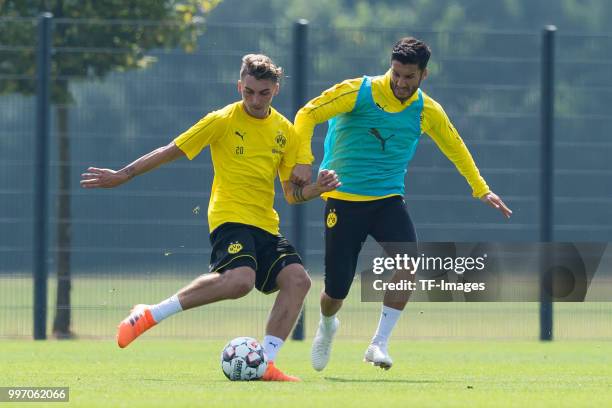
(250, 144)
(375, 124)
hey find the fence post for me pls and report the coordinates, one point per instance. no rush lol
(546, 180)
(41, 171)
(300, 69)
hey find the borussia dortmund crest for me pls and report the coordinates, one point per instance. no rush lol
(332, 219)
(234, 247)
(281, 139)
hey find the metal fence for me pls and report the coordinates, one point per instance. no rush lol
(140, 242)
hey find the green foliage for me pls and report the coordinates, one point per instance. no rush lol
(86, 44)
(418, 15)
(371, 26)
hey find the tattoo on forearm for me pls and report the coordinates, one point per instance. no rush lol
(298, 194)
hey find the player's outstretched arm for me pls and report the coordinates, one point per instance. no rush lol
(327, 180)
(493, 200)
(107, 178)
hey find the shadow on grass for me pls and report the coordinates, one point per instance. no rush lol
(385, 380)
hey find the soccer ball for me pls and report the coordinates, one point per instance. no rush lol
(243, 359)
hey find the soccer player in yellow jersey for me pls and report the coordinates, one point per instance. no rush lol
(250, 144)
(374, 126)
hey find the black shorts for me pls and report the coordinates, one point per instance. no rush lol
(235, 245)
(348, 224)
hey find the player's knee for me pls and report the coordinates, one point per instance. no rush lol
(242, 288)
(302, 282)
(295, 278)
(240, 282)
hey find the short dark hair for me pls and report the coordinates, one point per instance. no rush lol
(261, 67)
(409, 50)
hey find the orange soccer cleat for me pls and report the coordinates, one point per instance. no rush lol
(274, 374)
(139, 321)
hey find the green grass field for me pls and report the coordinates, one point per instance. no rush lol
(446, 354)
(186, 373)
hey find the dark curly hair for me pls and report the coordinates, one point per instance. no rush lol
(409, 50)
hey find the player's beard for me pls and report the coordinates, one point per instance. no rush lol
(405, 93)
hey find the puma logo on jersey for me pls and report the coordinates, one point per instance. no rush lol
(380, 107)
(240, 135)
(374, 132)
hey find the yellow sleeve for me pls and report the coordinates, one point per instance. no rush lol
(340, 98)
(437, 125)
(289, 159)
(208, 130)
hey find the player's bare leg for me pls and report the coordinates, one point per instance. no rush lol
(209, 288)
(397, 299)
(213, 287)
(329, 305)
(293, 283)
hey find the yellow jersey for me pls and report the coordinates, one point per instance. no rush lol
(247, 154)
(342, 98)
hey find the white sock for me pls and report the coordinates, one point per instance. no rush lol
(388, 319)
(327, 322)
(271, 346)
(166, 308)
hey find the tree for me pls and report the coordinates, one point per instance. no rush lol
(123, 31)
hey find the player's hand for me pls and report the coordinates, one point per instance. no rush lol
(301, 174)
(493, 200)
(327, 180)
(102, 178)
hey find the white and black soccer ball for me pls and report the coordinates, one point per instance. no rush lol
(244, 359)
